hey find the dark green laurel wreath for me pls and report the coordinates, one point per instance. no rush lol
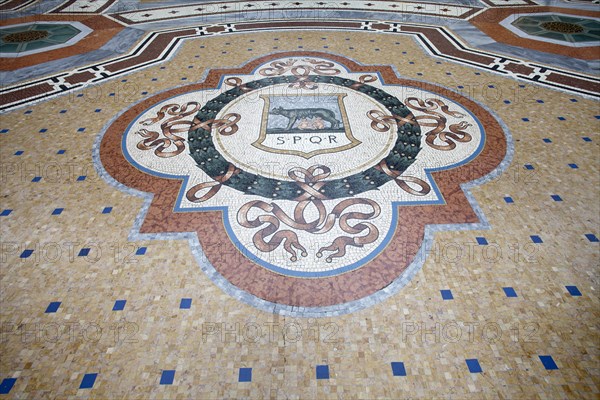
(405, 150)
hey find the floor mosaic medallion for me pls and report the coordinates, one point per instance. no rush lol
(308, 179)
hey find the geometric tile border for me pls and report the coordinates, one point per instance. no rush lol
(496, 23)
(312, 9)
(77, 29)
(103, 29)
(83, 6)
(16, 5)
(511, 23)
(159, 46)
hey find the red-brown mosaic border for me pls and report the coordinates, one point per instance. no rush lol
(222, 253)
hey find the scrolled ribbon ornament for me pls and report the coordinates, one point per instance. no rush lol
(310, 180)
(439, 132)
(161, 145)
(301, 71)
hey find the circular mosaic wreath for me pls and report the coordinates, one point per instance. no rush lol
(402, 155)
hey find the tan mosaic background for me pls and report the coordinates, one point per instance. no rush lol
(153, 334)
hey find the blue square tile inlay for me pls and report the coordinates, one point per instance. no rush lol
(562, 118)
(574, 166)
(525, 119)
(26, 253)
(43, 130)
(18, 153)
(88, 381)
(4, 130)
(548, 362)
(185, 304)
(481, 241)
(322, 371)
(6, 212)
(106, 210)
(6, 385)
(81, 178)
(84, 252)
(167, 377)
(536, 239)
(61, 152)
(119, 305)
(546, 140)
(398, 368)
(141, 251)
(573, 291)
(57, 211)
(36, 179)
(474, 366)
(245, 375)
(586, 139)
(528, 166)
(81, 130)
(447, 294)
(509, 292)
(556, 197)
(509, 200)
(590, 236)
(52, 307)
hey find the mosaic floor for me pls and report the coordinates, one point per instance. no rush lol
(299, 200)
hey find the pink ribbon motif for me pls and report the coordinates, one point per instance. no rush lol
(301, 71)
(457, 133)
(382, 123)
(212, 186)
(176, 124)
(153, 139)
(310, 180)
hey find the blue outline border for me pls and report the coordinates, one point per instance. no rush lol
(225, 209)
(307, 312)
